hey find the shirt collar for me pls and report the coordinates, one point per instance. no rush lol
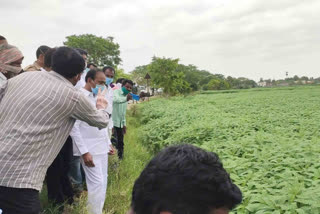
(86, 92)
(55, 74)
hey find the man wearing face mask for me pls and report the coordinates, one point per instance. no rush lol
(37, 113)
(93, 145)
(120, 102)
(10, 61)
(109, 72)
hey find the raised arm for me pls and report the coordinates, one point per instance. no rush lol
(118, 98)
(94, 116)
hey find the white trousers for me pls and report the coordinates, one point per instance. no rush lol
(96, 179)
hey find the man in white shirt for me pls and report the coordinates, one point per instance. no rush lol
(93, 145)
(109, 72)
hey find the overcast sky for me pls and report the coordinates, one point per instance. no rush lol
(240, 38)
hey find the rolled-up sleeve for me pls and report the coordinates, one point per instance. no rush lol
(88, 113)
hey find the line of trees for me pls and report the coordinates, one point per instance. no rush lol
(290, 81)
(166, 73)
(177, 78)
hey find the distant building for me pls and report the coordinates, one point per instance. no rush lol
(262, 84)
(283, 84)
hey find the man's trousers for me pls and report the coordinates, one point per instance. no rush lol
(19, 201)
(58, 183)
(118, 133)
(96, 179)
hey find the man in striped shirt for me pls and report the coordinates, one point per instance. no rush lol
(37, 113)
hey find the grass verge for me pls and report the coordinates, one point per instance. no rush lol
(121, 175)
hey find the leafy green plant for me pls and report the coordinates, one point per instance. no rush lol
(268, 140)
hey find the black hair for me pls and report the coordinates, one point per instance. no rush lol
(120, 80)
(48, 57)
(108, 67)
(42, 50)
(81, 51)
(88, 66)
(2, 38)
(184, 179)
(125, 81)
(67, 62)
(92, 73)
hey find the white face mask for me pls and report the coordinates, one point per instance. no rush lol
(10, 68)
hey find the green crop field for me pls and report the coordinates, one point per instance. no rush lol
(267, 139)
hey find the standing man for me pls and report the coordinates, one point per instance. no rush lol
(135, 90)
(82, 81)
(37, 113)
(39, 63)
(120, 102)
(59, 187)
(75, 172)
(109, 72)
(10, 61)
(93, 145)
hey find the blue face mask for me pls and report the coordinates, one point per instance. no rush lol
(96, 89)
(109, 80)
(86, 70)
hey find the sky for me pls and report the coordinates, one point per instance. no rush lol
(240, 38)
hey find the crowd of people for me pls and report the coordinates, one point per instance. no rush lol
(59, 119)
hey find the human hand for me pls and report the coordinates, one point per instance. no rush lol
(102, 102)
(124, 129)
(88, 161)
(129, 97)
(112, 151)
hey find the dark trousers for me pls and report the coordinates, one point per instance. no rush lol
(118, 133)
(19, 201)
(58, 183)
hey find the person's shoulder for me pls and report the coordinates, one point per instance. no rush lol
(30, 68)
(117, 91)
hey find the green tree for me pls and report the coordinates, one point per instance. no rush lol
(218, 84)
(139, 73)
(296, 78)
(102, 51)
(164, 74)
(121, 74)
(214, 84)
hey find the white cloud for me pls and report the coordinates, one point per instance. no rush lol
(252, 38)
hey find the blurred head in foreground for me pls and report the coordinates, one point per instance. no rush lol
(184, 179)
